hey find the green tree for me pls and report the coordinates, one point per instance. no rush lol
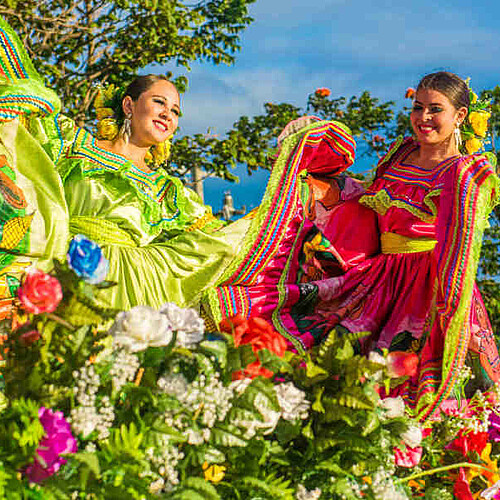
(78, 43)
(253, 141)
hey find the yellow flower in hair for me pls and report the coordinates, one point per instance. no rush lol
(104, 113)
(479, 122)
(472, 145)
(160, 153)
(213, 473)
(107, 129)
(473, 97)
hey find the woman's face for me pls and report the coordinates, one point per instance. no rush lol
(433, 117)
(155, 114)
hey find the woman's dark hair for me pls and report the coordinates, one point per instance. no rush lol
(450, 85)
(142, 83)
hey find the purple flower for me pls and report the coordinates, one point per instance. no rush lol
(56, 441)
(494, 428)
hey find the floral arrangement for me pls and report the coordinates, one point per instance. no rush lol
(475, 126)
(145, 403)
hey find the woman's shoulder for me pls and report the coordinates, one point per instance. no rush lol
(479, 166)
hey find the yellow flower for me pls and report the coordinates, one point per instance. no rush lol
(310, 247)
(107, 129)
(214, 473)
(479, 122)
(473, 97)
(104, 113)
(473, 145)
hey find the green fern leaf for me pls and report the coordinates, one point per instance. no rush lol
(195, 488)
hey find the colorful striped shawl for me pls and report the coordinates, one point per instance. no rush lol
(470, 192)
(327, 148)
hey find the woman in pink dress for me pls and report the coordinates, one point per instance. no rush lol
(397, 261)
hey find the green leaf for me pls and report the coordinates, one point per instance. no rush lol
(90, 460)
(195, 488)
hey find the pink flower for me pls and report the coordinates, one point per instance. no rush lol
(494, 428)
(408, 458)
(401, 364)
(40, 292)
(57, 441)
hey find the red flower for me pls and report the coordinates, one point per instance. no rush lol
(29, 338)
(410, 93)
(40, 293)
(461, 490)
(260, 335)
(469, 441)
(401, 364)
(322, 92)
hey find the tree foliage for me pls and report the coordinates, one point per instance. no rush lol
(77, 44)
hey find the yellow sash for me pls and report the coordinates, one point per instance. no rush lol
(396, 243)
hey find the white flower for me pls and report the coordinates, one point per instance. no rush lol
(240, 386)
(140, 328)
(375, 357)
(413, 436)
(292, 401)
(174, 384)
(394, 407)
(186, 322)
(156, 487)
(270, 416)
(303, 494)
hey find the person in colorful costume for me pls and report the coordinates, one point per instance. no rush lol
(397, 261)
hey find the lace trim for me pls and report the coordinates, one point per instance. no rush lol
(382, 200)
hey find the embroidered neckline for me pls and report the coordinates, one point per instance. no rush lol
(154, 185)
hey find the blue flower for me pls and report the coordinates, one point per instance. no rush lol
(86, 259)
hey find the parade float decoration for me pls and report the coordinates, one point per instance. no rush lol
(145, 404)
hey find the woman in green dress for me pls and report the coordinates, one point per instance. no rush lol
(162, 243)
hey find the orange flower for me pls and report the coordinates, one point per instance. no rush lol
(410, 93)
(260, 335)
(322, 92)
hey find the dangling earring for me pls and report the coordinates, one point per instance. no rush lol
(458, 136)
(126, 129)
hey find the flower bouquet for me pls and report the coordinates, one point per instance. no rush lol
(144, 404)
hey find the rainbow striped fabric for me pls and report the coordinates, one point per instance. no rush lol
(326, 147)
(21, 89)
(470, 192)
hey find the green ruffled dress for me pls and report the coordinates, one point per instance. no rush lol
(162, 243)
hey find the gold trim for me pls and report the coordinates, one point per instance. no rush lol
(397, 243)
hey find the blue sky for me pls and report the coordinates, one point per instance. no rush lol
(296, 46)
